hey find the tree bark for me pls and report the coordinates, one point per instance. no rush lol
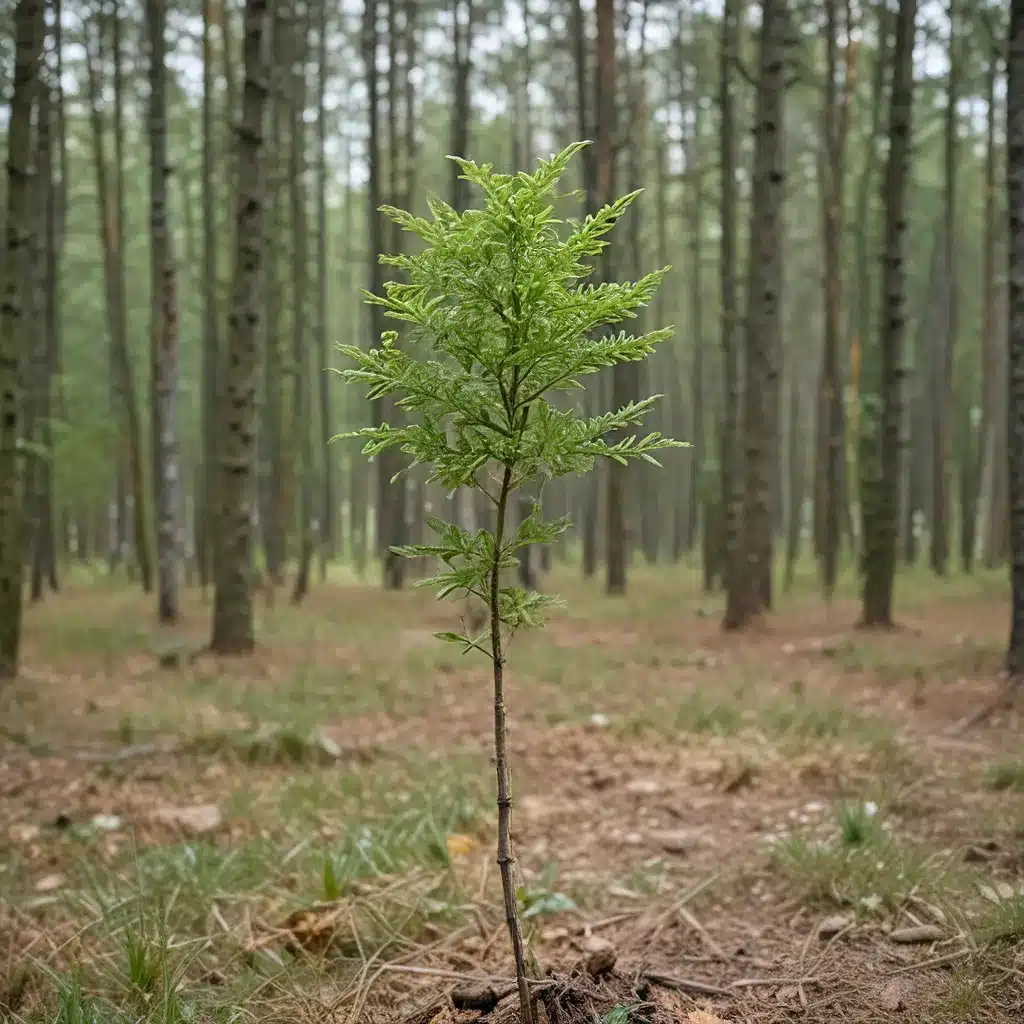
(328, 489)
(110, 204)
(233, 631)
(990, 379)
(302, 432)
(15, 332)
(880, 445)
(211, 311)
(730, 445)
(831, 411)
(623, 386)
(165, 329)
(943, 404)
(750, 584)
(1015, 339)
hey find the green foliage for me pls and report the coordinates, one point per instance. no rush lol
(500, 299)
(542, 898)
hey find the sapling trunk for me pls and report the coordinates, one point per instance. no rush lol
(505, 859)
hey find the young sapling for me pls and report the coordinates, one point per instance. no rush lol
(501, 317)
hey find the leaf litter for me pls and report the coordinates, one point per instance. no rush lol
(393, 931)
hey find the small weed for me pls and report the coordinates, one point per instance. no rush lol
(541, 898)
(860, 865)
(858, 823)
(143, 960)
(964, 996)
(616, 1015)
(1003, 919)
(1005, 776)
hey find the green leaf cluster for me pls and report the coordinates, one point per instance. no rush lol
(500, 318)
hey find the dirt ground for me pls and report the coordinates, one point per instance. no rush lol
(791, 824)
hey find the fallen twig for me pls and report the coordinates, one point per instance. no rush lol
(689, 919)
(757, 982)
(935, 961)
(684, 984)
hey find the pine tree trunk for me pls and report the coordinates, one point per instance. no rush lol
(301, 431)
(273, 516)
(110, 206)
(880, 449)
(164, 336)
(1015, 377)
(623, 386)
(211, 311)
(233, 631)
(731, 451)
(990, 381)
(943, 402)
(328, 489)
(750, 587)
(42, 306)
(831, 410)
(15, 331)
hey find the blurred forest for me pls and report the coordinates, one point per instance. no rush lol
(838, 284)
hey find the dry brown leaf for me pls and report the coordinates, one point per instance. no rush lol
(459, 845)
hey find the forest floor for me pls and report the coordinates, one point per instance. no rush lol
(783, 825)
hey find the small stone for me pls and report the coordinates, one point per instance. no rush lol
(833, 925)
(196, 820)
(24, 833)
(891, 997)
(644, 787)
(49, 883)
(480, 997)
(600, 955)
(678, 841)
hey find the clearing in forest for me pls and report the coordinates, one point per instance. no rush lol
(783, 825)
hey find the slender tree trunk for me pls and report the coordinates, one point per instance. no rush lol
(731, 450)
(623, 385)
(990, 380)
(463, 12)
(110, 205)
(862, 312)
(34, 357)
(1015, 377)
(943, 402)
(831, 418)
(15, 331)
(165, 337)
(42, 547)
(506, 858)
(698, 373)
(271, 422)
(328, 492)
(211, 312)
(880, 450)
(233, 631)
(302, 433)
(750, 588)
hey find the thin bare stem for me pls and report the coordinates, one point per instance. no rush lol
(505, 859)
